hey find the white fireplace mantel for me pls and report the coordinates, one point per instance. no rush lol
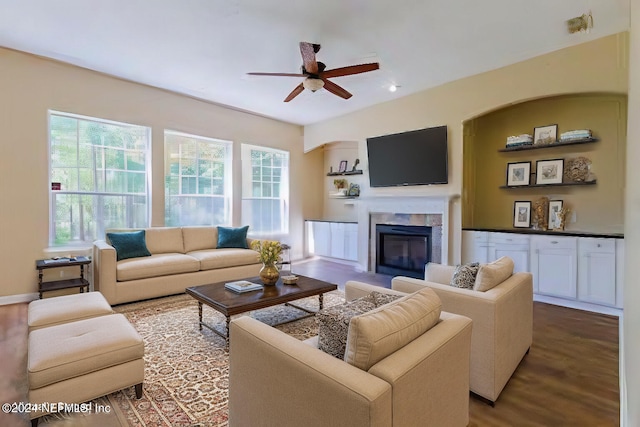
(400, 205)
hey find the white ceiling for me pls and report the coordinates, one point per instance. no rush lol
(204, 48)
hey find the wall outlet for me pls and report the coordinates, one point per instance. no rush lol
(573, 217)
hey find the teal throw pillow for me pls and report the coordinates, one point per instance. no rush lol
(232, 237)
(129, 244)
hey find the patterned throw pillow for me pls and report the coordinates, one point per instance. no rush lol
(464, 275)
(382, 299)
(333, 324)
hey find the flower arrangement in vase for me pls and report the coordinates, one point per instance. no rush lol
(341, 185)
(269, 252)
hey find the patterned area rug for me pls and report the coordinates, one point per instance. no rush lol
(186, 370)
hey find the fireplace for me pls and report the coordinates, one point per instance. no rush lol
(402, 250)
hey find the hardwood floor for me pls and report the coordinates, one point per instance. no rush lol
(337, 273)
(569, 378)
(13, 361)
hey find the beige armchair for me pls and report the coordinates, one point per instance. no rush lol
(502, 323)
(277, 380)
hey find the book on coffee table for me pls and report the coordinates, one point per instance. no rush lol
(242, 286)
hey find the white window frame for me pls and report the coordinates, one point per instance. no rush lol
(198, 198)
(130, 198)
(249, 199)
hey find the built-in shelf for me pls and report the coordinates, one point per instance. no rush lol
(562, 184)
(343, 197)
(554, 144)
(356, 172)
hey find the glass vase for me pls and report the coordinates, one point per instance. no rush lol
(269, 274)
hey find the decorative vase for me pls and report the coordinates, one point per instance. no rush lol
(269, 274)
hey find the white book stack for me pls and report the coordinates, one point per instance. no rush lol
(241, 286)
(516, 141)
(577, 134)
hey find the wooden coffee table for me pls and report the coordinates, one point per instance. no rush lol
(230, 303)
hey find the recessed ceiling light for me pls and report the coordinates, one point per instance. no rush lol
(393, 88)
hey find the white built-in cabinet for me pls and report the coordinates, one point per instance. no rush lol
(597, 266)
(554, 266)
(515, 246)
(319, 237)
(476, 246)
(333, 239)
(577, 269)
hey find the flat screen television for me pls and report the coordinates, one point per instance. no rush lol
(417, 157)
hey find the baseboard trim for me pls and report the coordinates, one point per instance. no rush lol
(578, 305)
(15, 299)
(622, 375)
(331, 259)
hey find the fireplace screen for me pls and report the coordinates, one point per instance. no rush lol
(402, 249)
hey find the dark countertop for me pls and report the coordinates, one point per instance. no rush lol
(330, 220)
(569, 233)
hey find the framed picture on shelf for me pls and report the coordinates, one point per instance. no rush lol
(544, 135)
(522, 214)
(518, 174)
(549, 171)
(554, 219)
(343, 166)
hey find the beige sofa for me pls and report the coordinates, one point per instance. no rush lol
(180, 257)
(502, 323)
(277, 380)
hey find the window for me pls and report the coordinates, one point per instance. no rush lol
(102, 170)
(265, 189)
(197, 180)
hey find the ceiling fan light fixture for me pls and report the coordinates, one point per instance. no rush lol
(312, 84)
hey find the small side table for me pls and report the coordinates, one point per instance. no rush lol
(81, 282)
(286, 258)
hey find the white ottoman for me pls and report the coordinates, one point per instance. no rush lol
(68, 308)
(78, 361)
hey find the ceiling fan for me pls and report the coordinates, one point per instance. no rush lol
(316, 77)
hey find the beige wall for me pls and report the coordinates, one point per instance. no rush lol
(597, 66)
(29, 86)
(486, 205)
(630, 342)
(335, 208)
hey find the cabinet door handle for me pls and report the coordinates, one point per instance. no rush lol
(554, 242)
(599, 245)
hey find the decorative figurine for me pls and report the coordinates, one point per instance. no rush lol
(540, 209)
(562, 216)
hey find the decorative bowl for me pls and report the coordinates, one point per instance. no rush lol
(289, 280)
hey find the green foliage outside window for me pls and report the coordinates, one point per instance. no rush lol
(196, 191)
(102, 171)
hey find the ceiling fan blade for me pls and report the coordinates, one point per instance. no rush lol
(277, 74)
(295, 92)
(335, 89)
(308, 52)
(352, 69)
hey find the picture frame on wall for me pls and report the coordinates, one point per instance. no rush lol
(343, 166)
(518, 174)
(549, 171)
(554, 219)
(522, 214)
(544, 135)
